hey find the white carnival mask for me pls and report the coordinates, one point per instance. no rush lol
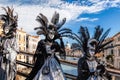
(91, 45)
(51, 34)
(6, 30)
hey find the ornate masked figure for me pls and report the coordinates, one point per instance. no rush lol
(89, 67)
(47, 65)
(9, 43)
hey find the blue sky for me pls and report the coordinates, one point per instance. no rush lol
(109, 18)
(89, 13)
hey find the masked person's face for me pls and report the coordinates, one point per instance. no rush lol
(6, 30)
(51, 34)
(91, 52)
(91, 47)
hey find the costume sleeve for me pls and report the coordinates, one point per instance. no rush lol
(39, 49)
(6, 46)
(83, 73)
(1, 48)
(101, 68)
(80, 72)
(15, 45)
(62, 49)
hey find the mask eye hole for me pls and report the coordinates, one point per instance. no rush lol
(92, 50)
(93, 44)
(6, 29)
(51, 32)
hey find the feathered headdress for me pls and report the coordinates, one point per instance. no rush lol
(57, 26)
(54, 23)
(9, 19)
(84, 40)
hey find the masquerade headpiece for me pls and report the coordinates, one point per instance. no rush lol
(85, 42)
(53, 24)
(9, 19)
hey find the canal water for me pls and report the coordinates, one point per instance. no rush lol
(69, 69)
(73, 70)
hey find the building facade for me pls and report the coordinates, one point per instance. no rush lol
(112, 55)
(21, 39)
(27, 43)
(31, 45)
(71, 51)
(116, 50)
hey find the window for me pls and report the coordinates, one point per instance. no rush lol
(24, 38)
(119, 52)
(20, 48)
(19, 37)
(19, 56)
(119, 65)
(111, 44)
(119, 38)
(24, 57)
(27, 59)
(24, 49)
(112, 51)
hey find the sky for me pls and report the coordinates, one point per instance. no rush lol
(87, 13)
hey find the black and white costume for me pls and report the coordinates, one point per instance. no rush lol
(89, 67)
(9, 44)
(47, 65)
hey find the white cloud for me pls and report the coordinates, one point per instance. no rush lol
(87, 19)
(106, 3)
(27, 13)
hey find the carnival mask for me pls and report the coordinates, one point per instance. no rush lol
(51, 34)
(91, 46)
(6, 30)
